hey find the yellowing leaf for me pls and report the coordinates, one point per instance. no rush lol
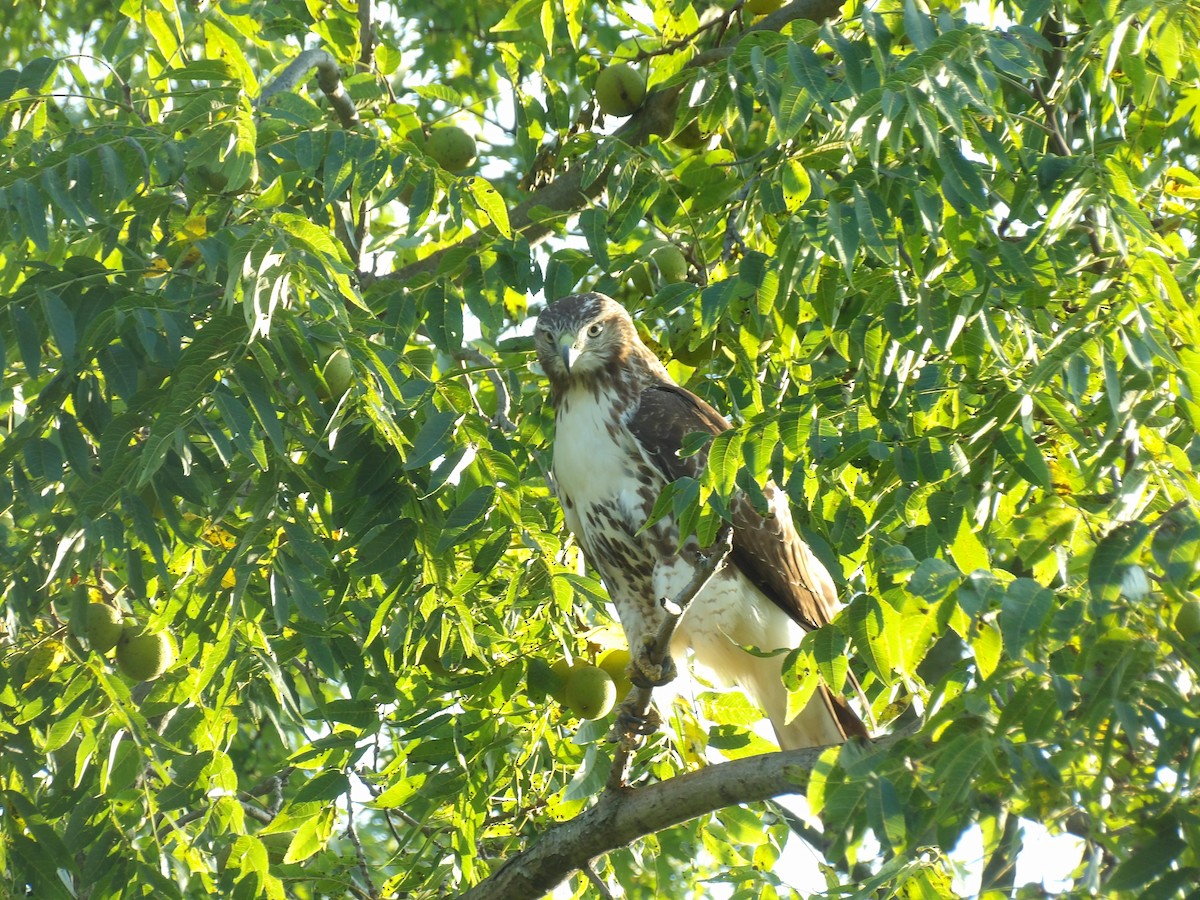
(43, 660)
(986, 647)
(969, 554)
(218, 537)
(195, 228)
(492, 204)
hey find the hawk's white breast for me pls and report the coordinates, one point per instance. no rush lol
(591, 458)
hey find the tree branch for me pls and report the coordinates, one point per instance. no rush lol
(329, 79)
(622, 816)
(567, 194)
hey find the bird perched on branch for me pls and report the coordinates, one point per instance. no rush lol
(619, 423)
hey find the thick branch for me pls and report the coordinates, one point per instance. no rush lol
(329, 79)
(622, 816)
(567, 194)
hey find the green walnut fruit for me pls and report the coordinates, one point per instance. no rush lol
(616, 663)
(143, 655)
(1187, 622)
(620, 90)
(561, 671)
(672, 264)
(451, 148)
(338, 372)
(104, 627)
(590, 692)
(639, 275)
(762, 7)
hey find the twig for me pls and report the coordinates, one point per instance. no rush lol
(734, 245)
(488, 367)
(597, 883)
(637, 704)
(366, 62)
(273, 785)
(352, 834)
(256, 812)
(329, 79)
(366, 36)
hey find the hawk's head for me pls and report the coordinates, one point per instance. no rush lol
(582, 336)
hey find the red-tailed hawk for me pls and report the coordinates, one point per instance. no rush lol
(619, 423)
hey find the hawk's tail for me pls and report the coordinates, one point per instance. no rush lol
(825, 720)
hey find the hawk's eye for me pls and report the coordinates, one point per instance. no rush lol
(543, 334)
(594, 329)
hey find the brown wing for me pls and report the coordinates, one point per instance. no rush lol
(769, 551)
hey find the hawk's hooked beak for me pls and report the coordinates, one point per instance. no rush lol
(568, 350)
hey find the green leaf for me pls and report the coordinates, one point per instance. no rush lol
(933, 579)
(327, 787)
(725, 460)
(1019, 449)
(887, 815)
(593, 222)
(311, 836)
(1111, 560)
(1148, 860)
(801, 678)
(1176, 547)
(592, 774)
(968, 551)
(433, 440)
(869, 620)
(917, 26)
(474, 507)
(1023, 610)
(957, 764)
(830, 651)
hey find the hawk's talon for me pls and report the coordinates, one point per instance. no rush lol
(645, 673)
(629, 722)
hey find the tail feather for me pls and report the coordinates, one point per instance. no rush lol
(825, 720)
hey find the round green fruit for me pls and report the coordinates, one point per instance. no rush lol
(590, 692)
(616, 663)
(451, 148)
(620, 90)
(762, 7)
(561, 670)
(143, 656)
(104, 627)
(671, 262)
(1187, 622)
(338, 372)
(639, 275)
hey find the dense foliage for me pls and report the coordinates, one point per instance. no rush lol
(941, 272)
